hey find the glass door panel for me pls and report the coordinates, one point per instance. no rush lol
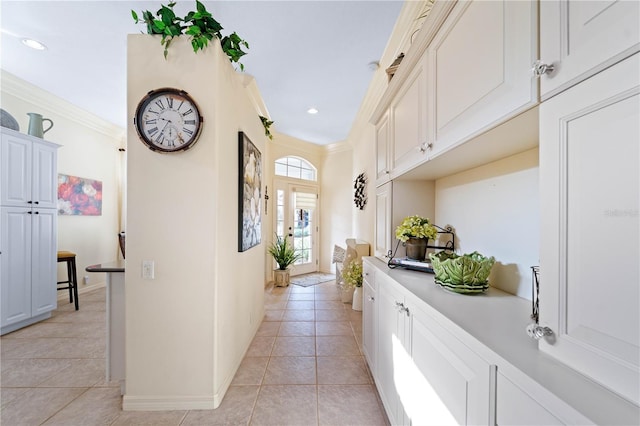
(296, 219)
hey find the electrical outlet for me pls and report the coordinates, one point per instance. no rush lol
(148, 269)
(86, 279)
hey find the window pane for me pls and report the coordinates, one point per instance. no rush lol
(280, 213)
(280, 229)
(308, 174)
(294, 162)
(294, 172)
(281, 169)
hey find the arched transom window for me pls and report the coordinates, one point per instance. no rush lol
(295, 167)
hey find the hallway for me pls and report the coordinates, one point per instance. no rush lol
(304, 367)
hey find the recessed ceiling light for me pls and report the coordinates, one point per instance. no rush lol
(312, 110)
(34, 44)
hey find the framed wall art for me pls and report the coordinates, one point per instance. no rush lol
(249, 194)
(79, 196)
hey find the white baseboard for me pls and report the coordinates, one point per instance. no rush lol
(169, 403)
(64, 294)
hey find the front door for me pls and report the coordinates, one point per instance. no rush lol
(297, 219)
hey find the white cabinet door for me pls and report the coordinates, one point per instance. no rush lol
(480, 69)
(44, 261)
(448, 378)
(15, 264)
(45, 179)
(384, 195)
(16, 175)
(409, 122)
(369, 317)
(581, 38)
(383, 168)
(589, 199)
(393, 357)
(516, 407)
(28, 171)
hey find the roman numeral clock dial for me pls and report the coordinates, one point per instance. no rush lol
(168, 120)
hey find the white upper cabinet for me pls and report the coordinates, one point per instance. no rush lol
(409, 122)
(479, 69)
(589, 199)
(28, 171)
(581, 38)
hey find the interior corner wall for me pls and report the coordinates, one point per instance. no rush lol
(336, 203)
(89, 149)
(364, 162)
(188, 329)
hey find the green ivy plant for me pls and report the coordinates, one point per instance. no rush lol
(200, 26)
(267, 124)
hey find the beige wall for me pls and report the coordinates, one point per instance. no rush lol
(90, 150)
(495, 211)
(337, 202)
(188, 329)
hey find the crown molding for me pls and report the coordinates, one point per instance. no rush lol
(337, 147)
(400, 40)
(21, 89)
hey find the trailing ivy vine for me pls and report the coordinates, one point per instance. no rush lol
(200, 26)
(267, 124)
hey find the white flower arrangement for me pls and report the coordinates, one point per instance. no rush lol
(416, 227)
(352, 274)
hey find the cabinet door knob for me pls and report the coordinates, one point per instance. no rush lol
(371, 298)
(539, 68)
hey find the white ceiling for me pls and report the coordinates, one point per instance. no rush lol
(302, 54)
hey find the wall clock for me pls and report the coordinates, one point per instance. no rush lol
(168, 120)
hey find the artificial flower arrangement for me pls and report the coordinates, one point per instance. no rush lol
(352, 274)
(416, 227)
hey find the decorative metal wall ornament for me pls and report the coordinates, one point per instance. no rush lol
(360, 196)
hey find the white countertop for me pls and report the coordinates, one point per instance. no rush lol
(496, 321)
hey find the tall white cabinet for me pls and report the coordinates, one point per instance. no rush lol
(590, 181)
(28, 229)
(482, 102)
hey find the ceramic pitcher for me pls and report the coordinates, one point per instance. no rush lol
(36, 124)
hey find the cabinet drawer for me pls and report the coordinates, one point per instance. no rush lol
(515, 407)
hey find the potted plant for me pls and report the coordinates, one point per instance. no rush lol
(352, 277)
(199, 25)
(415, 231)
(284, 254)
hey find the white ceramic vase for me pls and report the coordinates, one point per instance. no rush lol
(356, 305)
(346, 294)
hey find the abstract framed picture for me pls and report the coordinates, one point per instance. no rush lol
(249, 194)
(79, 196)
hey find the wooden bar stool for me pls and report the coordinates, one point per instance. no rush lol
(72, 276)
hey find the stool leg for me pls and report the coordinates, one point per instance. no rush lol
(75, 282)
(70, 279)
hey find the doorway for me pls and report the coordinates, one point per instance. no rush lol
(297, 219)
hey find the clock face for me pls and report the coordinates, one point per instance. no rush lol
(168, 120)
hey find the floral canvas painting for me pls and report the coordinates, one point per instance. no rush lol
(79, 196)
(249, 194)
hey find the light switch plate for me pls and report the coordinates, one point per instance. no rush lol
(148, 269)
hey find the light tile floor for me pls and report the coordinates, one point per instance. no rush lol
(304, 367)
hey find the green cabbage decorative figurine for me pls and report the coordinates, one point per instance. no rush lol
(462, 274)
